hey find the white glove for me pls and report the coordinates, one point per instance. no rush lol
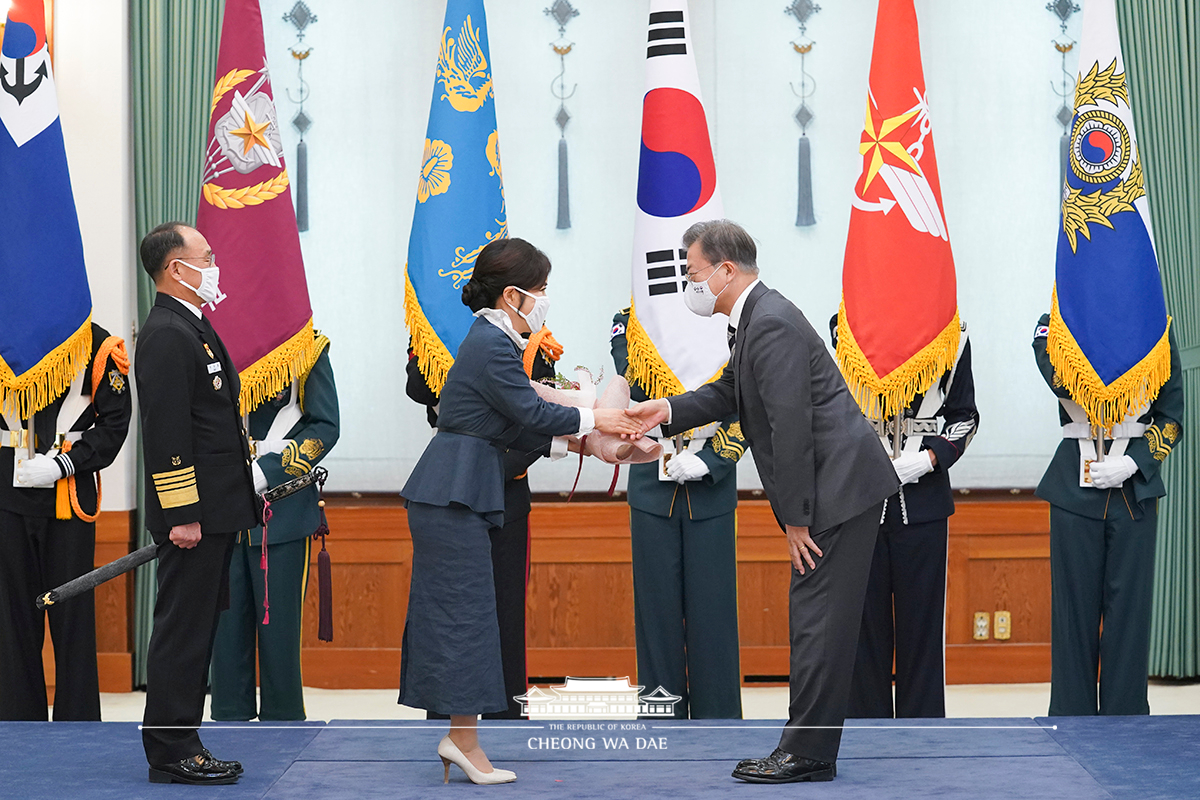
(686, 467)
(38, 472)
(260, 479)
(911, 466)
(264, 446)
(1112, 472)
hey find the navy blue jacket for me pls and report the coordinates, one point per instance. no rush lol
(486, 408)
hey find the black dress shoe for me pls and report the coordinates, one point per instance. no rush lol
(188, 770)
(783, 767)
(233, 766)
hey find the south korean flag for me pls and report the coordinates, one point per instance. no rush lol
(671, 350)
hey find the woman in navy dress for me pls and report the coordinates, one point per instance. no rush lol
(450, 659)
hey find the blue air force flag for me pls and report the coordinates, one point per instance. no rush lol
(671, 350)
(1108, 321)
(460, 192)
(45, 330)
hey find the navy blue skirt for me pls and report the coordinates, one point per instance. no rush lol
(450, 657)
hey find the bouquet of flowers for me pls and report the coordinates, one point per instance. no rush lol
(581, 393)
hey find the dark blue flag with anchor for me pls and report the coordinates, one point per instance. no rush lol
(45, 330)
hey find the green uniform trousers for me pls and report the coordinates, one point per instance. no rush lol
(1101, 571)
(685, 610)
(278, 643)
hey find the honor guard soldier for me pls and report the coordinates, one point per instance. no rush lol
(290, 435)
(510, 544)
(48, 510)
(1103, 523)
(904, 614)
(199, 496)
(683, 528)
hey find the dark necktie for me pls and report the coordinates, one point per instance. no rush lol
(731, 336)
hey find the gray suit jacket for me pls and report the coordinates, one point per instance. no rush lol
(819, 460)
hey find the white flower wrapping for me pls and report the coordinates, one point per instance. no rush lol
(607, 447)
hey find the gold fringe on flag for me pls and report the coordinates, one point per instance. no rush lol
(433, 358)
(1105, 404)
(884, 397)
(41, 384)
(319, 345)
(646, 367)
(275, 371)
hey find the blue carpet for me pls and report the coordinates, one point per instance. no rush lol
(1094, 757)
(52, 761)
(346, 740)
(1135, 757)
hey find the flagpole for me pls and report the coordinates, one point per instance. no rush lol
(30, 444)
(899, 418)
(1099, 436)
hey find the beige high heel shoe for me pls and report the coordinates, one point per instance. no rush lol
(449, 752)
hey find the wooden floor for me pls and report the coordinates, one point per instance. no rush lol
(580, 606)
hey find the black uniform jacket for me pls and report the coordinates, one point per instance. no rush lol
(819, 460)
(195, 450)
(104, 424)
(931, 497)
(1164, 430)
(486, 406)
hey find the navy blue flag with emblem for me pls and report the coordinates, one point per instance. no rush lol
(460, 193)
(1108, 320)
(45, 319)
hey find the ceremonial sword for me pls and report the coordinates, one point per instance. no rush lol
(135, 559)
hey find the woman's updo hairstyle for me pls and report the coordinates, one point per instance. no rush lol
(504, 263)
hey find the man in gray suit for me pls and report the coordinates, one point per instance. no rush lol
(822, 469)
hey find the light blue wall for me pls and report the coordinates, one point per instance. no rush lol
(988, 69)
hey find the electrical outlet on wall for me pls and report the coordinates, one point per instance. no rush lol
(1003, 625)
(983, 621)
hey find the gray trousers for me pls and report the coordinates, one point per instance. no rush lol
(825, 613)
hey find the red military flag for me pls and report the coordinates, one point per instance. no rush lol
(898, 325)
(246, 214)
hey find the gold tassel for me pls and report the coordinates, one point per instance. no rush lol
(433, 358)
(884, 397)
(41, 384)
(322, 341)
(646, 367)
(1105, 404)
(275, 371)
(62, 499)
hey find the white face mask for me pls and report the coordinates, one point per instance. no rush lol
(536, 317)
(699, 298)
(209, 290)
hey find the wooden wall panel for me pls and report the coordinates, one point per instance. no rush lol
(580, 608)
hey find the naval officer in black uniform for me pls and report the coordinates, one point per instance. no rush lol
(46, 539)
(904, 615)
(199, 495)
(1102, 546)
(683, 532)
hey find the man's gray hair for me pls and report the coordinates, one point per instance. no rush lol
(723, 240)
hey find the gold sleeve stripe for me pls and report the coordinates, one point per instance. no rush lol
(727, 447)
(163, 486)
(175, 473)
(178, 497)
(1160, 441)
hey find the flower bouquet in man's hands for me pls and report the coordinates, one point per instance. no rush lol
(581, 393)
